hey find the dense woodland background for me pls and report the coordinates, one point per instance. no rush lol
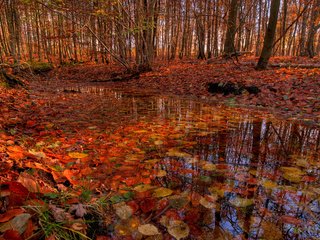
(136, 32)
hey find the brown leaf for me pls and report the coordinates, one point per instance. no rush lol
(79, 209)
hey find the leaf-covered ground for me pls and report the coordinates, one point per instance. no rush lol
(287, 92)
(122, 161)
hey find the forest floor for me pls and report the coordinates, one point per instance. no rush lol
(291, 93)
(30, 121)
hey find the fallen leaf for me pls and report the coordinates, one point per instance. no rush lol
(12, 235)
(10, 214)
(178, 229)
(209, 167)
(161, 173)
(173, 152)
(162, 192)
(77, 155)
(208, 201)
(241, 202)
(143, 188)
(123, 211)
(79, 209)
(147, 204)
(18, 223)
(38, 155)
(292, 174)
(148, 230)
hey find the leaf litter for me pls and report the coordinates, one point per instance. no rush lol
(130, 172)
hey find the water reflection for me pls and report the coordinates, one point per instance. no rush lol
(262, 172)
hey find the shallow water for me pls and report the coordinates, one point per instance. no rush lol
(224, 172)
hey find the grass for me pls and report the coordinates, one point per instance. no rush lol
(49, 226)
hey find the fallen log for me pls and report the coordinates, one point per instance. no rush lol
(285, 65)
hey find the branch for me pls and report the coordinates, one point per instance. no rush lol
(291, 24)
(123, 62)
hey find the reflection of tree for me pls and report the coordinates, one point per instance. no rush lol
(249, 154)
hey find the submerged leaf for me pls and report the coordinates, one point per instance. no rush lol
(209, 167)
(162, 192)
(292, 174)
(173, 152)
(208, 201)
(161, 173)
(148, 230)
(241, 202)
(123, 211)
(122, 230)
(143, 188)
(158, 142)
(178, 229)
(178, 201)
(269, 184)
(271, 231)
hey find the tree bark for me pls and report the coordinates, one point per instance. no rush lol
(231, 28)
(313, 28)
(269, 37)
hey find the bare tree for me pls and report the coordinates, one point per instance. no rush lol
(269, 37)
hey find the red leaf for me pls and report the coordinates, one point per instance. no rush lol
(10, 214)
(148, 204)
(12, 235)
(192, 216)
(133, 205)
(173, 215)
(18, 193)
(29, 231)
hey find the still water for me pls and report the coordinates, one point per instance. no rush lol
(192, 170)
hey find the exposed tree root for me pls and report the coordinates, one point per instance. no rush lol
(11, 80)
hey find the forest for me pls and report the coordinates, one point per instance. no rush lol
(159, 119)
(140, 32)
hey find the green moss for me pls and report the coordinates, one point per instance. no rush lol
(41, 67)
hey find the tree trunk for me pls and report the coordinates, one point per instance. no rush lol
(313, 28)
(145, 18)
(269, 37)
(231, 28)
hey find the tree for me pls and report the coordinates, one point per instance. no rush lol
(231, 28)
(146, 20)
(269, 37)
(313, 28)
